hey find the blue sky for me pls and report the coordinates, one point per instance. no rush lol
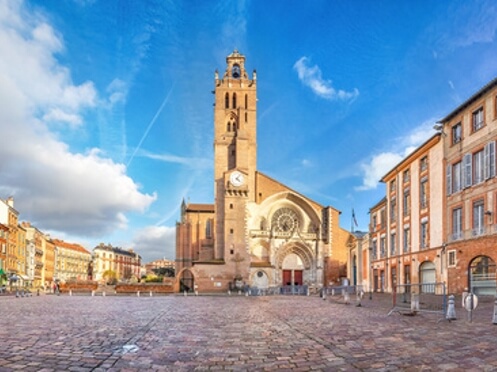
(106, 113)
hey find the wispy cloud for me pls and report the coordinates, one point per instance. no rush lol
(155, 241)
(381, 163)
(311, 76)
(55, 188)
(194, 163)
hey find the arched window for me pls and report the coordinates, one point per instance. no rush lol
(246, 101)
(208, 229)
(229, 126)
(246, 117)
(234, 100)
(227, 100)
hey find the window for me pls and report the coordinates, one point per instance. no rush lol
(246, 101)
(382, 247)
(423, 242)
(489, 160)
(392, 186)
(456, 177)
(423, 163)
(478, 167)
(478, 119)
(406, 202)
(234, 100)
(208, 229)
(375, 249)
(375, 222)
(456, 223)
(406, 176)
(423, 193)
(456, 133)
(393, 207)
(478, 216)
(393, 248)
(406, 240)
(452, 258)
(382, 218)
(227, 101)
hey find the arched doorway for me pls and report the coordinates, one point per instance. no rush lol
(186, 281)
(293, 270)
(260, 280)
(482, 276)
(427, 276)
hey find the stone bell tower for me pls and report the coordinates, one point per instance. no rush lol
(235, 160)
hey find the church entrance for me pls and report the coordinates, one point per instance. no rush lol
(186, 281)
(293, 277)
(293, 270)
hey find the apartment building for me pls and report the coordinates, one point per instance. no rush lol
(125, 264)
(470, 230)
(406, 227)
(4, 237)
(72, 261)
(35, 243)
(9, 217)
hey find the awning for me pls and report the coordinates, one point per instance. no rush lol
(24, 277)
(2, 272)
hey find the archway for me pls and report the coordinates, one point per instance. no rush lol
(427, 277)
(482, 276)
(292, 270)
(186, 281)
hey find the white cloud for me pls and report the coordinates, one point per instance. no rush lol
(155, 241)
(56, 189)
(312, 77)
(380, 164)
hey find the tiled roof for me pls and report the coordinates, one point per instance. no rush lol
(200, 208)
(470, 100)
(73, 246)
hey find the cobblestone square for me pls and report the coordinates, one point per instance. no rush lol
(114, 333)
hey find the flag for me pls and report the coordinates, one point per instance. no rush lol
(353, 218)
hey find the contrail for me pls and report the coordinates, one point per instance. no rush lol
(150, 125)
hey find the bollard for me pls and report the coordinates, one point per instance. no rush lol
(324, 294)
(138, 294)
(229, 292)
(414, 303)
(346, 297)
(451, 309)
(92, 293)
(495, 312)
(150, 293)
(246, 294)
(239, 292)
(38, 292)
(70, 292)
(184, 293)
(360, 295)
(103, 294)
(196, 293)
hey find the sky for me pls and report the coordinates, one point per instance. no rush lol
(106, 110)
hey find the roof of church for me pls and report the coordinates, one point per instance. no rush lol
(192, 207)
(298, 193)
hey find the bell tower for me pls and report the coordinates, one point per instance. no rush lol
(235, 158)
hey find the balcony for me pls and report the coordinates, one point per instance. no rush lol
(473, 233)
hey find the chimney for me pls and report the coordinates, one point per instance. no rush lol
(10, 201)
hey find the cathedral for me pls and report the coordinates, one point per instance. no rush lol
(259, 232)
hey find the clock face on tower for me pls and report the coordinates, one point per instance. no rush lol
(285, 220)
(237, 179)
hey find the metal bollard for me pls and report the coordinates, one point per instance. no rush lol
(138, 294)
(494, 321)
(346, 296)
(150, 293)
(185, 294)
(70, 292)
(229, 292)
(92, 293)
(414, 303)
(451, 309)
(103, 294)
(196, 293)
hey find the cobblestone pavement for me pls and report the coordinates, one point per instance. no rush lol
(177, 333)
